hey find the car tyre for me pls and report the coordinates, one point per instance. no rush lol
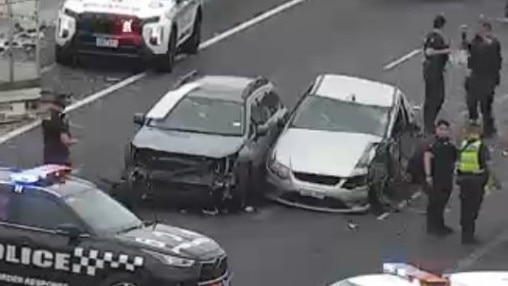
(121, 280)
(64, 56)
(191, 46)
(165, 62)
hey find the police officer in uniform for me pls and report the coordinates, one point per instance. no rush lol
(473, 174)
(484, 66)
(439, 164)
(436, 52)
(55, 128)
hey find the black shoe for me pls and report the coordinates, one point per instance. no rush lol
(470, 241)
(447, 230)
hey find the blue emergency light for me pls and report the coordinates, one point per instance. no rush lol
(41, 174)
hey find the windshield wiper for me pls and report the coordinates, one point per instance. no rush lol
(130, 228)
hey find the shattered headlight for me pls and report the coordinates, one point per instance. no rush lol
(171, 260)
(278, 168)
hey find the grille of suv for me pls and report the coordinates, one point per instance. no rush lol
(317, 179)
(211, 270)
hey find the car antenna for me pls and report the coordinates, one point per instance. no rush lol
(186, 78)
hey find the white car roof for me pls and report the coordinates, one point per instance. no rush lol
(365, 91)
(492, 278)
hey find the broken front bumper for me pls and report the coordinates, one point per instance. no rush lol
(295, 193)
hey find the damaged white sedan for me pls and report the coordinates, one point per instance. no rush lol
(347, 136)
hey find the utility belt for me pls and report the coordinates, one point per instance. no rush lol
(471, 174)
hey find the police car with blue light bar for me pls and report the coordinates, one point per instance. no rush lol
(401, 274)
(56, 229)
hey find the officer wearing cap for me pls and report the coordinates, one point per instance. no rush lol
(55, 128)
(472, 177)
(436, 51)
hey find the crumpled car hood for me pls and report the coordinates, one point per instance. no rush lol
(213, 146)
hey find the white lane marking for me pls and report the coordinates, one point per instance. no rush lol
(383, 216)
(214, 40)
(401, 205)
(466, 263)
(402, 59)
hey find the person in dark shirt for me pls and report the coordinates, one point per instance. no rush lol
(439, 165)
(436, 52)
(484, 66)
(56, 135)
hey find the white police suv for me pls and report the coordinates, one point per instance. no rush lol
(59, 230)
(151, 30)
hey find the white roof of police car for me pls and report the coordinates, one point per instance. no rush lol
(71, 186)
(365, 91)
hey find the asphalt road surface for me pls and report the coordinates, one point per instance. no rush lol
(280, 246)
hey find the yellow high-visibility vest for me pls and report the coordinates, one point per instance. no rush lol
(469, 157)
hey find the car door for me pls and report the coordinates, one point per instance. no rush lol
(34, 224)
(403, 140)
(185, 18)
(258, 119)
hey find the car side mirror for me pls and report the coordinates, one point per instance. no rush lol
(70, 230)
(262, 130)
(139, 119)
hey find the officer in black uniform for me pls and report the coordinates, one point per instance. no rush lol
(439, 165)
(436, 52)
(484, 66)
(55, 128)
(473, 174)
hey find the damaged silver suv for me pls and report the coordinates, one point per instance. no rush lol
(206, 140)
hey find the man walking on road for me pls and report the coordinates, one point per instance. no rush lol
(439, 165)
(484, 66)
(436, 52)
(56, 135)
(473, 174)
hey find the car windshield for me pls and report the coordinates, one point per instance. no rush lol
(101, 212)
(327, 114)
(207, 114)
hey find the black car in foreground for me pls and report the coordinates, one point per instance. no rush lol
(207, 137)
(59, 230)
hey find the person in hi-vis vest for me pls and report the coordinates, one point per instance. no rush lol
(473, 174)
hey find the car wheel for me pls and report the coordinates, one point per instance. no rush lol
(121, 280)
(165, 63)
(191, 46)
(64, 56)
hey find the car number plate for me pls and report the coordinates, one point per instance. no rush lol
(313, 194)
(106, 43)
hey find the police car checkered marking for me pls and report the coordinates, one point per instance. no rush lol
(91, 261)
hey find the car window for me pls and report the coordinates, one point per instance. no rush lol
(400, 121)
(258, 115)
(270, 104)
(101, 212)
(206, 113)
(327, 114)
(35, 209)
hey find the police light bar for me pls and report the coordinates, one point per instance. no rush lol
(37, 174)
(414, 275)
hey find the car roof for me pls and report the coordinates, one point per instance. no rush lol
(364, 91)
(69, 187)
(223, 87)
(480, 278)
(376, 280)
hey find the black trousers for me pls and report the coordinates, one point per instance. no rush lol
(438, 197)
(56, 159)
(434, 97)
(471, 198)
(480, 93)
